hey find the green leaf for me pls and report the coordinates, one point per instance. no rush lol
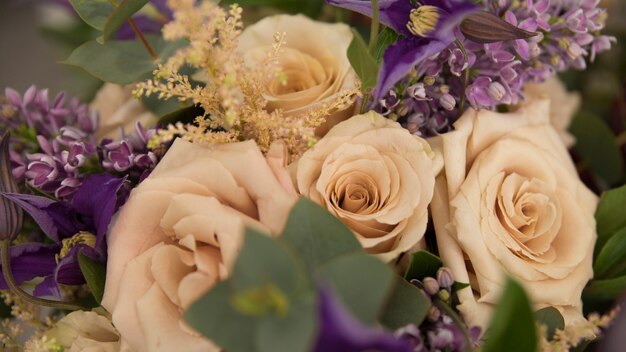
(95, 275)
(385, 38)
(351, 275)
(610, 215)
(551, 318)
(596, 145)
(317, 235)
(406, 305)
(512, 326)
(612, 257)
(93, 12)
(214, 316)
(423, 264)
(605, 289)
(291, 333)
(120, 62)
(263, 260)
(456, 286)
(267, 293)
(362, 62)
(122, 12)
(185, 115)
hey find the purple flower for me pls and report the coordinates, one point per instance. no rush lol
(427, 29)
(75, 227)
(339, 331)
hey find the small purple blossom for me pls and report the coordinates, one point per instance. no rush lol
(72, 227)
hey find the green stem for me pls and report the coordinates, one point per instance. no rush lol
(447, 310)
(374, 27)
(8, 277)
(465, 77)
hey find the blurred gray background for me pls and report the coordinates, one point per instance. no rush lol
(30, 56)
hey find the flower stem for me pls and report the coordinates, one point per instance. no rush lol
(374, 27)
(143, 39)
(446, 309)
(8, 277)
(465, 76)
(140, 35)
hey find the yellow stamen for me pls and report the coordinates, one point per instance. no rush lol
(423, 20)
(68, 243)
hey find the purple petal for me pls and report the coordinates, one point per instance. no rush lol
(48, 287)
(393, 13)
(145, 25)
(36, 206)
(31, 260)
(401, 57)
(339, 331)
(96, 199)
(68, 271)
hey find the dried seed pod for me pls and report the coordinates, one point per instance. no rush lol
(484, 27)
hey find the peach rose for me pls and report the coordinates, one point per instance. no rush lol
(85, 331)
(374, 176)
(118, 109)
(179, 234)
(314, 61)
(510, 202)
(564, 105)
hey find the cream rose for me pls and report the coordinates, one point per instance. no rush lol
(314, 61)
(83, 331)
(118, 109)
(374, 176)
(510, 202)
(564, 105)
(179, 234)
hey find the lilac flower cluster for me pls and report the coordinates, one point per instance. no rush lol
(568, 33)
(439, 332)
(55, 145)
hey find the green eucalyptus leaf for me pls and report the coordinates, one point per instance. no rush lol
(122, 12)
(596, 145)
(121, 62)
(386, 37)
(316, 235)
(214, 316)
(95, 275)
(612, 257)
(351, 275)
(93, 12)
(266, 294)
(512, 327)
(610, 215)
(423, 264)
(362, 62)
(405, 305)
(294, 332)
(263, 260)
(551, 318)
(605, 289)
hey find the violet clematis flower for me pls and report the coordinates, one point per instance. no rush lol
(339, 331)
(76, 227)
(427, 29)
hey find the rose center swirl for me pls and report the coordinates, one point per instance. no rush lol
(530, 215)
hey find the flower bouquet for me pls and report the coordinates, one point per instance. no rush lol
(262, 178)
